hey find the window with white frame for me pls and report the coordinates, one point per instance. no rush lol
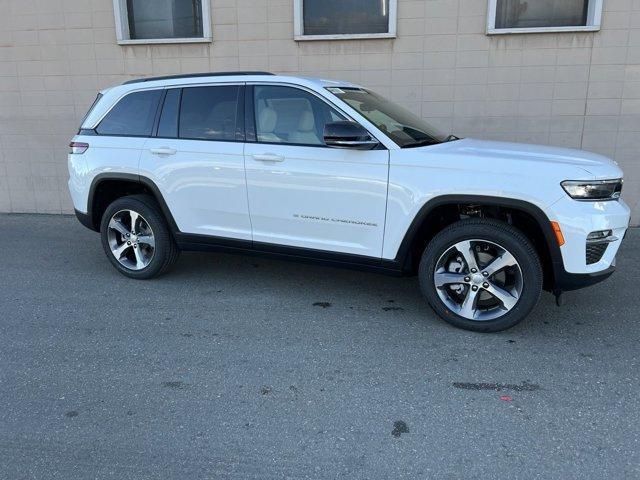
(162, 21)
(344, 19)
(523, 16)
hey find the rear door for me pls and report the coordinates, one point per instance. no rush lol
(301, 192)
(196, 160)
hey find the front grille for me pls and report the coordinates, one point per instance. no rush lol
(595, 251)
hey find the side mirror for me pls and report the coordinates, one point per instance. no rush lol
(348, 135)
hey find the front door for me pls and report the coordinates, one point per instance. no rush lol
(303, 193)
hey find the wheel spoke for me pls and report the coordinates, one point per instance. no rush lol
(139, 260)
(134, 220)
(147, 240)
(120, 250)
(504, 260)
(447, 278)
(508, 300)
(118, 226)
(468, 306)
(466, 250)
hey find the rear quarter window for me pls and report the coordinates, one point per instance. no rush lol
(133, 115)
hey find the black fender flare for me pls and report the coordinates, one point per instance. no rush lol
(533, 210)
(129, 177)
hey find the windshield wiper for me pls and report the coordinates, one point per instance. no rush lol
(430, 141)
(420, 143)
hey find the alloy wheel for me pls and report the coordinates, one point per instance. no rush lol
(131, 239)
(478, 280)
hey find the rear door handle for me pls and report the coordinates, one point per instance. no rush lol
(268, 157)
(163, 151)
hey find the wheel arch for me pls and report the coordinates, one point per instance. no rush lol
(443, 210)
(107, 187)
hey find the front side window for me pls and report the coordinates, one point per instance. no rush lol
(290, 115)
(133, 115)
(399, 124)
(344, 19)
(512, 16)
(209, 113)
(145, 21)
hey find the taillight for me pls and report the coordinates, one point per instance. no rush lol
(78, 147)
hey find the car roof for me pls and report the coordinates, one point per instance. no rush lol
(227, 77)
(113, 94)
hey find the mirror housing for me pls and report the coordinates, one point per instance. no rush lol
(345, 134)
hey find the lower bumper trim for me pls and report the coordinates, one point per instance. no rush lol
(566, 281)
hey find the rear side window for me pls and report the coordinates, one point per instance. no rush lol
(209, 113)
(133, 115)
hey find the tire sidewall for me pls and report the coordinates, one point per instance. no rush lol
(501, 234)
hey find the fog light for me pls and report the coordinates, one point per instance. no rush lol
(600, 236)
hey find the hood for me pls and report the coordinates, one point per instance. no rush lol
(518, 156)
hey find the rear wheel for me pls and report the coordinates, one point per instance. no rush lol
(481, 275)
(136, 237)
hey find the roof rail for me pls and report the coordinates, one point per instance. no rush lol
(195, 75)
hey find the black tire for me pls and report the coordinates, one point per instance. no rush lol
(506, 236)
(166, 251)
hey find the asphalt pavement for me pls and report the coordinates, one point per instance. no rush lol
(239, 367)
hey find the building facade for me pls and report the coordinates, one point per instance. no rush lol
(558, 72)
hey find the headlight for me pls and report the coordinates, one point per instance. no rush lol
(593, 189)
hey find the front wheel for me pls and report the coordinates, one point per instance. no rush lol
(482, 275)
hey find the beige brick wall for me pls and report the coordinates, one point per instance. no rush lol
(572, 89)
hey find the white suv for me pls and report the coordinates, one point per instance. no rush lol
(328, 171)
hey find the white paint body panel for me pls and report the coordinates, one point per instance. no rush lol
(317, 197)
(349, 201)
(530, 173)
(203, 184)
(106, 154)
(577, 221)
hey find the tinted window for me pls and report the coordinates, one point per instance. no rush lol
(132, 115)
(168, 126)
(331, 17)
(164, 18)
(291, 115)
(209, 113)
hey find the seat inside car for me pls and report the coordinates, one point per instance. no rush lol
(306, 132)
(267, 121)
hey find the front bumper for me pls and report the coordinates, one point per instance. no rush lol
(577, 220)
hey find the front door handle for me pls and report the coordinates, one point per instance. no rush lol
(268, 157)
(163, 151)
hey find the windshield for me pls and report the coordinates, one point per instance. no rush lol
(399, 124)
